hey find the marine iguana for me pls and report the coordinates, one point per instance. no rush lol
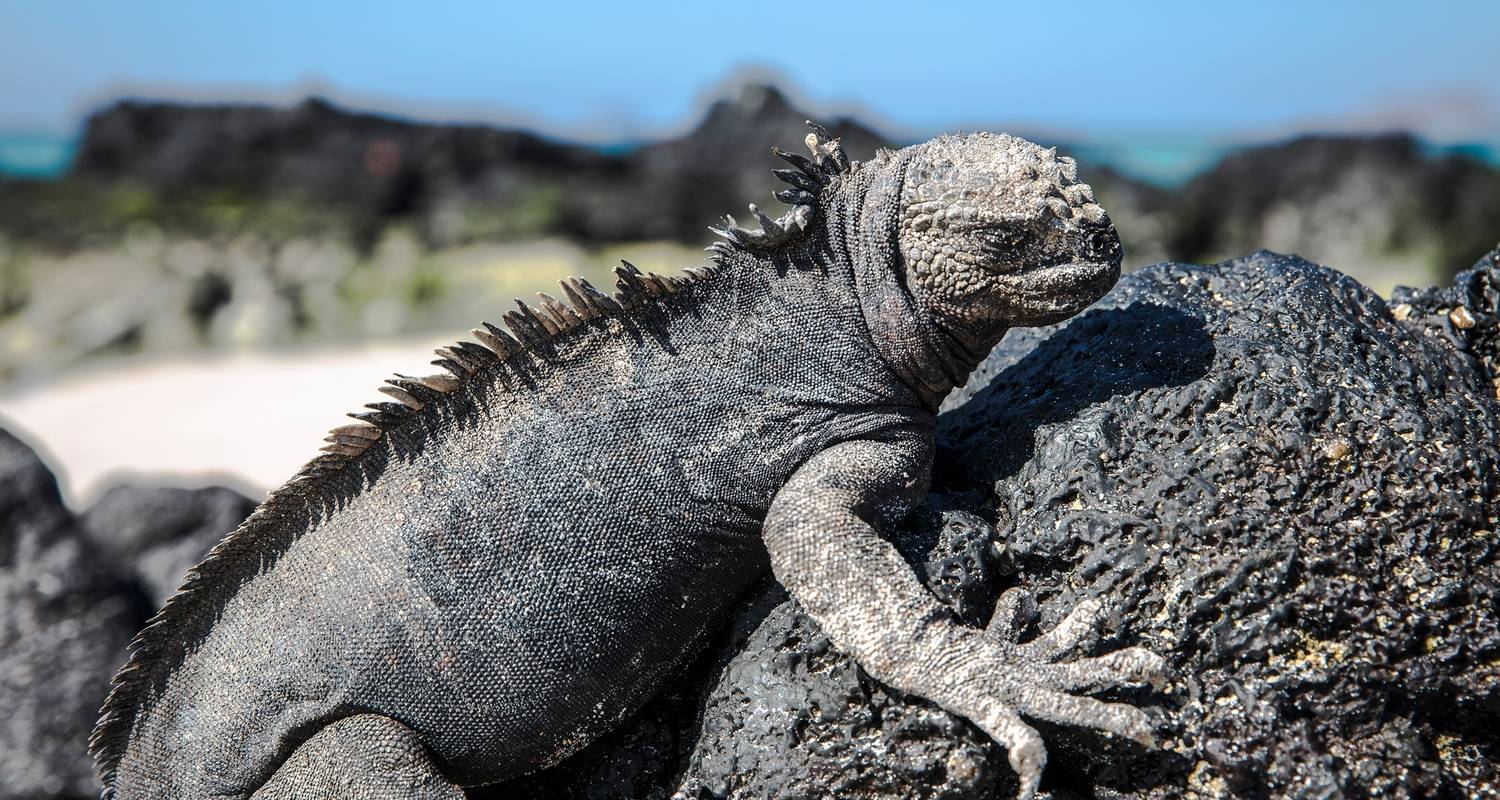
(477, 579)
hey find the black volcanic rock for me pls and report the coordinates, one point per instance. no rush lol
(1465, 315)
(1277, 485)
(1285, 490)
(1337, 197)
(160, 532)
(65, 619)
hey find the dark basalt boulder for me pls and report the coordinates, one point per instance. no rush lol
(161, 532)
(1277, 484)
(1284, 489)
(1466, 314)
(65, 619)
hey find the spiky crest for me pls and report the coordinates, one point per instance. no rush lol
(808, 180)
(327, 481)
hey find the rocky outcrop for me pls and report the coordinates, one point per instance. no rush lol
(1273, 481)
(73, 591)
(65, 618)
(461, 182)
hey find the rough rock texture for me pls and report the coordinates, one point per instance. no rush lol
(64, 622)
(160, 532)
(1466, 314)
(1278, 485)
(1286, 491)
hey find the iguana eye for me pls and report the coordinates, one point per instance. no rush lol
(1006, 245)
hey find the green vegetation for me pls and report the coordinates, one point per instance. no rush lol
(71, 215)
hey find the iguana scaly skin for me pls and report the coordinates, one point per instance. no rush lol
(484, 576)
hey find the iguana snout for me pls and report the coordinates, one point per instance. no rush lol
(996, 229)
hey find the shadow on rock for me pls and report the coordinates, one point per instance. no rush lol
(1036, 378)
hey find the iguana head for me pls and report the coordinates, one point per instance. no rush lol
(996, 229)
(951, 242)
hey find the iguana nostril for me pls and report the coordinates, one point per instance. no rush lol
(1101, 244)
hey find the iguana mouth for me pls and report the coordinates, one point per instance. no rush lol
(1071, 272)
(1055, 291)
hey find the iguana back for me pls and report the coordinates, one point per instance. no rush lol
(515, 566)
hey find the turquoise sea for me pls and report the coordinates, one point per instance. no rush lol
(36, 155)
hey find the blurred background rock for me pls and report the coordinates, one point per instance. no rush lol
(278, 204)
(178, 227)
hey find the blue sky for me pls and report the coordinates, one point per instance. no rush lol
(621, 69)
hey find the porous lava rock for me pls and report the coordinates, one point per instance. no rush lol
(1269, 478)
(160, 532)
(65, 619)
(1282, 488)
(1466, 315)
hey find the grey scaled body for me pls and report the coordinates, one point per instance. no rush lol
(485, 575)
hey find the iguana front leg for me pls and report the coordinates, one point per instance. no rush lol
(821, 532)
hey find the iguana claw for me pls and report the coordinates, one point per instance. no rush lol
(1031, 679)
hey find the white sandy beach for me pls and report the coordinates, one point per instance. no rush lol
(246, 421)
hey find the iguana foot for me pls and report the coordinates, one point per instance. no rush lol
(1010, 679)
